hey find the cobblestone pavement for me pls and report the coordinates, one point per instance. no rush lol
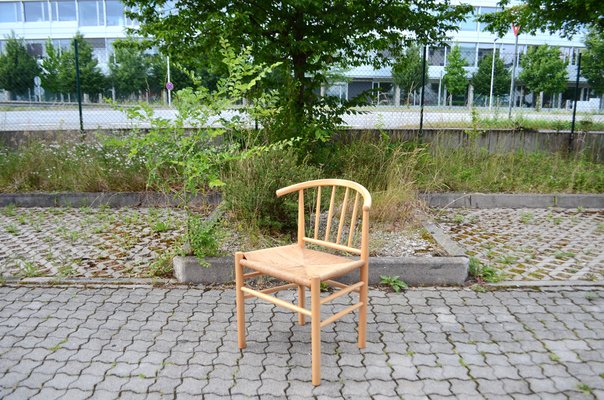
(149, 343)
(84, 242)
(532, 244)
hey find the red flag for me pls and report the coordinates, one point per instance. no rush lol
(516, 29)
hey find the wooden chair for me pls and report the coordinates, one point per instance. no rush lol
(306, 268)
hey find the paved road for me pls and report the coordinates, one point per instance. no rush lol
(149, 343)
(387, 118)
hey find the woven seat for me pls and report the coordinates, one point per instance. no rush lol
(295, 264)
(304, 268)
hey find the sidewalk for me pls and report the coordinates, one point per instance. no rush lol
(149, 343)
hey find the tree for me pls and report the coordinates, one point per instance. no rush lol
(17, 68)
(308, 38)
(456, 80)
(407, 71)
(482, 78)
(129, 68)
(51, 70)
(543, 71)
(593, 60)
(178, 75)
(92, 80)
(560, 17)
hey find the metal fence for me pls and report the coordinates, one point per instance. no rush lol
(484, 102)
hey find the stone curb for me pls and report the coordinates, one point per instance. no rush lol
(99, 199)
(415, 271)
(510, 200)
(439, 200)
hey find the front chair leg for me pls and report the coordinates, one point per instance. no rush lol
(240, 301)
(364, 298)
(315, 304)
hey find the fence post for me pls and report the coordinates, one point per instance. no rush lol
(78, 87)
(571, 138)
(421, 101)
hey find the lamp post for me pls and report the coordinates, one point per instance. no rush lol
(492, 76)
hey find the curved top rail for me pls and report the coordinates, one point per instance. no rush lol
(329, 182)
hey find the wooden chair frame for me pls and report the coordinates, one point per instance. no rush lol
(314, 283)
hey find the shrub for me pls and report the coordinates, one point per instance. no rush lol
(249, 193)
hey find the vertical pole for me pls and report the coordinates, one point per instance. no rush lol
(421, 109)
(78, 87)
(572, 126)
(315, 328)
(492, 77)
(169, 91)
(513, 78)
(240, 301)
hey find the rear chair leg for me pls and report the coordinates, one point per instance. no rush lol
(240, 301)
(315, 304)
(301, 303)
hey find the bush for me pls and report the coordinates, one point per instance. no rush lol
(249, 193)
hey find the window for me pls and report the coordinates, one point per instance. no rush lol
(36, 11)
(470, 24)
(10, 12)
(468, 53)
(99, 49)
(35, 49)
(91, 13)
(115, 12)
(436, 56)
(63, 10)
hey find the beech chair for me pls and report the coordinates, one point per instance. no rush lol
(306, 268)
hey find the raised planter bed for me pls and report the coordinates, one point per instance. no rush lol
(451, 269)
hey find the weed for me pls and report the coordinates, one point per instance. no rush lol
(9, 210)
(483, 273)
(526, 217)
(161, 226)
(600, 228)
(22, 219)
(324, 287)
(554, 357)
(162, 266)
(410, 353)
(507, 259)
(462, 362)
(458, 219)
(584, 388)
(563, 255)
(66, 271)
(478, 288)
(29, 270)
(57, 346)
(394, 282)
(590, 296)
(12, 229)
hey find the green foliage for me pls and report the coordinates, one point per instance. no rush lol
(543, 71)
(565, 18)
(129, 68)
(251, 182)
(592, 66)
(70, 167)
(17, 67)
(51, 69)
(483, 273)
(393, 282)
(482, 78)
(407, 71)
(308, 38)
(201, 237)
(455, 78)
(185, 153)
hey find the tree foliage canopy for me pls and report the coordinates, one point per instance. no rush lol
(17, 67)
(567, 17)
(543, 70)
(407, 71)
(482, 78)
(456, 80)
(129, 68)
(593, 60)
(308, 37)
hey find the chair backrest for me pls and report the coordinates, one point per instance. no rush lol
(341, 234)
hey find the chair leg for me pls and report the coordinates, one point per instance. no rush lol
(364, 297)
(315, 304)
(240, 301)
(301, 303)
